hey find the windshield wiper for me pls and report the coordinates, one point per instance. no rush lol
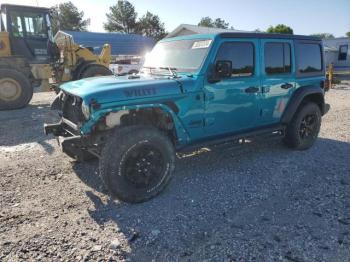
(172, 70)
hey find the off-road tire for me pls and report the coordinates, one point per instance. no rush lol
(121, 148)
(295, 137)
(23, 94)
(95, 70)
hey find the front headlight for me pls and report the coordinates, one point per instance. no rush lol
(86, 110)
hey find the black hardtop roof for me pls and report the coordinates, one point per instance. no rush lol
(267, 35)
(6, 7)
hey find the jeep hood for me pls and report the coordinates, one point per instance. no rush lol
(108, 89)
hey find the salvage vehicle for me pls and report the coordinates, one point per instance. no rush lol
(126, 66)
(193, 91)
(30, 56)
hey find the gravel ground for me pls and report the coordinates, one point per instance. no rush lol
(256, 202)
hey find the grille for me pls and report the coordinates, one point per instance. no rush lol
(72, 109)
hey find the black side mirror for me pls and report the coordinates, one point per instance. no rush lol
(223, 68)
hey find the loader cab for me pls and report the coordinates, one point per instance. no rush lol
(29, 31)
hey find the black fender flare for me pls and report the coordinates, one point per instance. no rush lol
(314, 93)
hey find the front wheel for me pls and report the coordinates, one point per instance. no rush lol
(137, 163)
(15, 89)
(302, 131)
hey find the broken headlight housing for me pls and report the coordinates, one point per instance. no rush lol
(86, 110)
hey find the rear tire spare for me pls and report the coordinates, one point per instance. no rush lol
(136, 163)
(15, 89)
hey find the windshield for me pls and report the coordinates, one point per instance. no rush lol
(33, 24)
(181, 55)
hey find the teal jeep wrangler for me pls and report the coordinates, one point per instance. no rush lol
(192, 90)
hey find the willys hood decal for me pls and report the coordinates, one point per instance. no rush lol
(112, 89)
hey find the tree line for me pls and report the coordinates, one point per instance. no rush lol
(123, 18)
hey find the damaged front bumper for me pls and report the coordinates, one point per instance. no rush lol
(68, 141)
(62, 128)
(72, 142)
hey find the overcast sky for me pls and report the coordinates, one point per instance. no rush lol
(304, 16)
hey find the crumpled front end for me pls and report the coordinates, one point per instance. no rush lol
(67, 130)
(91, 109)
(69, 108)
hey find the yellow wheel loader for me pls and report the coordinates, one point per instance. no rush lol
(30, 56)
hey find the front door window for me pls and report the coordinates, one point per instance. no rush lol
(241, 54)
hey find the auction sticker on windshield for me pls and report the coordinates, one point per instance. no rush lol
(201, 44)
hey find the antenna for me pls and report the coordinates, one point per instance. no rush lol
(37, 3)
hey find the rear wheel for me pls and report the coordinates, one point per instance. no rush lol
(95, 70)
(15, 89)
(302, 131)
(137, 163)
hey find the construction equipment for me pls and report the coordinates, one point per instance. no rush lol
(336, 74)
(30, 56)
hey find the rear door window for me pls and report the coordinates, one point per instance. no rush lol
(277, 58)
(309, 58)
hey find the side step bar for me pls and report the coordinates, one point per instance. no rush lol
(222, 140)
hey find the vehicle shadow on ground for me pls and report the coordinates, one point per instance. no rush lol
(222, 191)
(23, 126)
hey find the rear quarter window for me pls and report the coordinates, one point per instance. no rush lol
(309, 57)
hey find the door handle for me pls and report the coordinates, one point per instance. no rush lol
(252, 89)
(286, 86)
(209, 96)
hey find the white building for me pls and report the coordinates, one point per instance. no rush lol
(337, 51)
(185, 29)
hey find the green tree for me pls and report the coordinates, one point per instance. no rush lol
(220, 23)
(66, 16)
(348, 34)
(217, 23)
(324, 35)
(121, 18)
(206, 22)
(280, 29)
(150, 25)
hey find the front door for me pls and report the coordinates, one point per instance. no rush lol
(231, 104)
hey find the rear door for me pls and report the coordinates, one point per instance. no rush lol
(278, 78)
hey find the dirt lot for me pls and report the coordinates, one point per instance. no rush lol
(258, 202)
